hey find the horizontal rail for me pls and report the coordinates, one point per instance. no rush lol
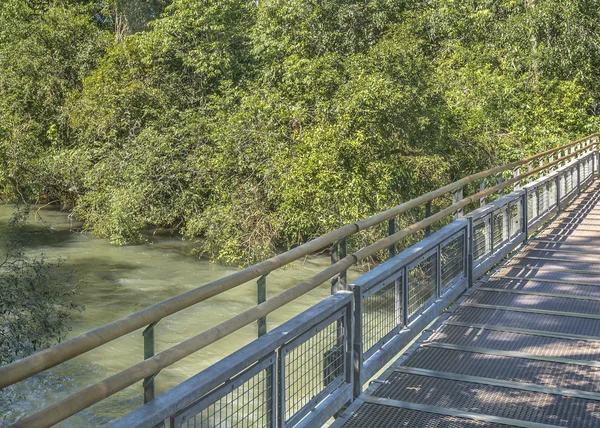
(48, 358)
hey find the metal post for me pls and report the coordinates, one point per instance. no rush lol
(597, 161)
(500, 191)
(344, 273)
(391, 231)
(481, 189)
(550, 160)
(334, 259)
(578, 176)
(525, 215)
(261, 298)
(557, 181)
(405, 296)
(428, 214)
(148, 383)
(516, 173)
(470, 262)
(358, 342)
(457, 196)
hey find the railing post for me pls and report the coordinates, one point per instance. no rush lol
(404, 287)
(427, 215)
(343, 274)
(525, 216)
(516, 173)
(358, 341)
(557, 184)
(457, 196)
(338, 252)
(334, 259)
(578, 160)
(469, 261)
(481, 189)
(391, 231)
(500, 179)
(597, 157)
(261, 293)
(148, 383)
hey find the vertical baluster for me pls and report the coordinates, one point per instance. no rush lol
(500, 191)
(148, 383)
(427, 215)
(344, 273)
(261, 288)
(516, 173)
(334, 259)
(391, 231)
(481, 189)
(457, 196)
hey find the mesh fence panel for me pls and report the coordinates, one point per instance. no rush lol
(311, 366)
(532, 209)
(500, 227)
(514, 210)
(245, 406)
(422, 283)
(452, 260)
(481, 245)
(381, 314)
(552, 194)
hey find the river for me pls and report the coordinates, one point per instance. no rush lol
(119, 280)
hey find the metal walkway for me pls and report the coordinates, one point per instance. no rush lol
(521, 348)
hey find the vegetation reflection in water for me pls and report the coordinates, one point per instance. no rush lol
(120, 280)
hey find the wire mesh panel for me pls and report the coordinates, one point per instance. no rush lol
(248, 400)
(311, 366)
(514, 210)
(422, 278)
(532, 207)
(452, 259)
(382, 315)
(481, 238)
(570, 179)
(500, 226)
(542, 199)
(551, 189)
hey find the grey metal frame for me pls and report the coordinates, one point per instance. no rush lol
(504, 223)
(265, 353)
(395, 270)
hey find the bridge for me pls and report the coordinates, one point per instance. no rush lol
(490, 316)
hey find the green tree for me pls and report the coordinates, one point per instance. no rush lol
(36, 296)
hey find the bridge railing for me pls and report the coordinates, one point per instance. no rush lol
(303, 372)
(299, 374)
(395, 301)
(412, 309)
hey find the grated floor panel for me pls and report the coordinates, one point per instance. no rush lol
(374, 415)
(492, 400)
(518, 342)
(551, 374)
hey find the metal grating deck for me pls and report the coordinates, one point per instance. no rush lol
(521, 349)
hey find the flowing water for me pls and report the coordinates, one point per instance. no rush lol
(118, 281)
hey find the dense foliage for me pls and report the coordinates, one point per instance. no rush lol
(256, 125)
(37, 296)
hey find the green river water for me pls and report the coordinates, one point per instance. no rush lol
(121, 280)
